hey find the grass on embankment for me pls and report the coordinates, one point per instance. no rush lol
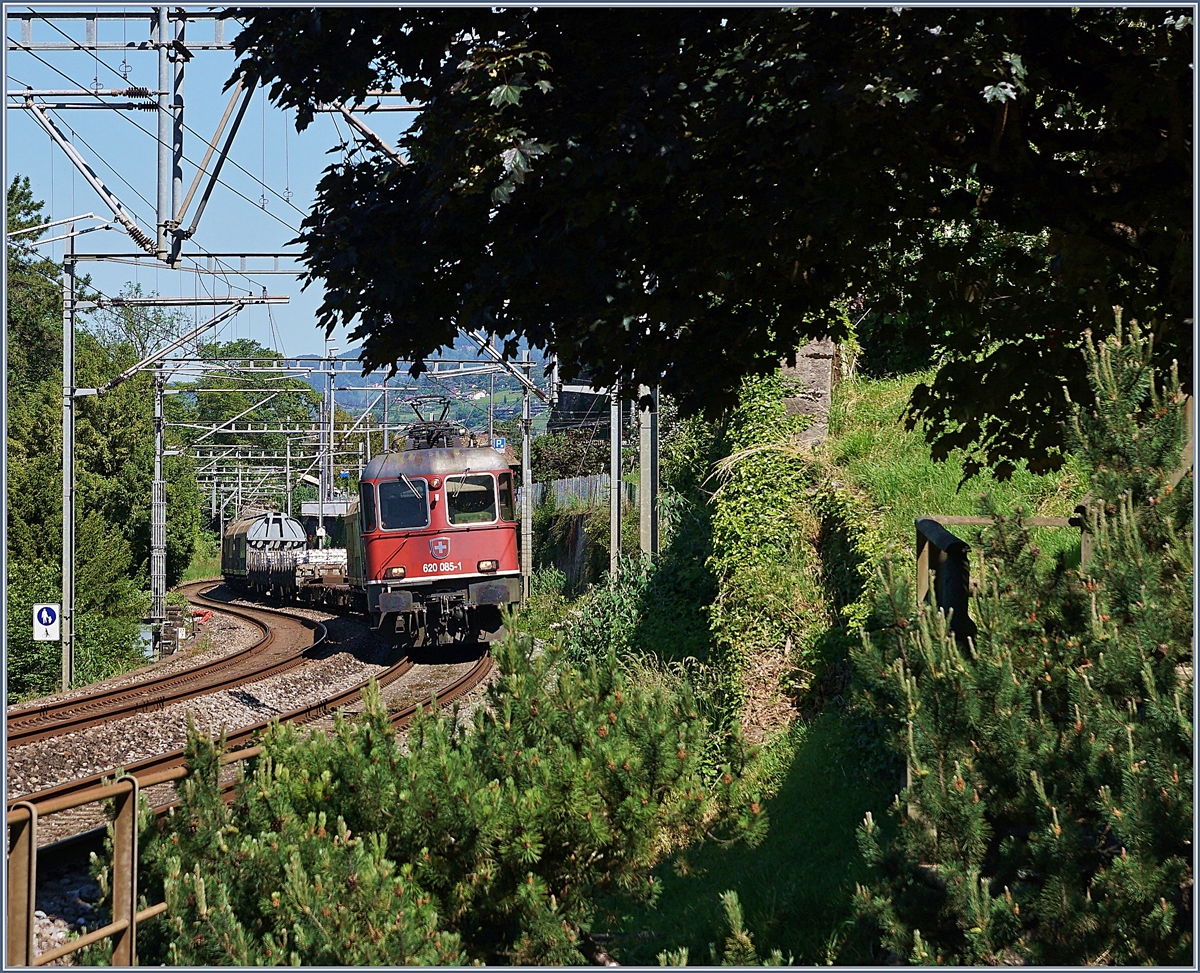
(796, 887)
(891, 469)
(206, 560)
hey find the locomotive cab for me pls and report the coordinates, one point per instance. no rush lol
(437, 554)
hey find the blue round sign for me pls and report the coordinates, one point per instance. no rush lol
(47, 616)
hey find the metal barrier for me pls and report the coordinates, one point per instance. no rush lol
(582, 489)
(950, 561)
(951, 573)
(22, 867)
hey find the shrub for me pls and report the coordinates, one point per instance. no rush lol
(489, 840)
(1048, 813)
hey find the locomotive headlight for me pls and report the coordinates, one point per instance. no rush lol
(435, 482)
(397, 572)
(489, 565)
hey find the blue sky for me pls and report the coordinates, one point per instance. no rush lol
(267, 148)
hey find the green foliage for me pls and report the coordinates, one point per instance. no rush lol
(34, 668)
(33, 315)
(609, 617)
(767, 593)
(794, 888)
(224, 394)
(573, 539)
(114, 458)
(880, 477)
(1000, 177)
(483, 840)
(206, 558)
(738, 948)
(570, 453)
(1048, 814)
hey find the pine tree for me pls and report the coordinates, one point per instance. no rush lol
(1048, 813)
(489, 840)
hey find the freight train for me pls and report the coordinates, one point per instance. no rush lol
(430, 544)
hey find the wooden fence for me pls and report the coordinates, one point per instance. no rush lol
(585, 491)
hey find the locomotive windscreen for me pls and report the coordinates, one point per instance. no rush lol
(404, 504)
(471, 499)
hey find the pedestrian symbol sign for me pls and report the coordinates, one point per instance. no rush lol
(45, 623)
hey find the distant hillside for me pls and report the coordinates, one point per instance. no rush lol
(468, 395)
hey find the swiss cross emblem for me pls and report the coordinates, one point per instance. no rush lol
(439, 547)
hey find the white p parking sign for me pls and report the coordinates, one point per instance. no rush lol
(45, 623)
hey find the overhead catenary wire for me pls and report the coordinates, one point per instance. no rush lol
(225, 268)
(345, 148)
(286, 197)
(218, 266)
(287, 160)
(158, 141)
(263, 198)
(219, 262)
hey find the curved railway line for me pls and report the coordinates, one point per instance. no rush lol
(273, 654)
(74, 714)
(287, 641)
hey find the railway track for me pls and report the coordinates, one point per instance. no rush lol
(162, 768)
(65, 860)
(283, 647)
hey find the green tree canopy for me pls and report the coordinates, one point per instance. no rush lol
(114, 454)
(691, 193)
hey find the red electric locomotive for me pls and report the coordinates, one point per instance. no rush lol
(436, 546)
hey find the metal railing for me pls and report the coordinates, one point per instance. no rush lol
(23, 820)
(951, 574)
(944, 555)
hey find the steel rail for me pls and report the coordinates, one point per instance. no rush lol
(149, 695)
(93, 839)
(23, 827)
(236, 738)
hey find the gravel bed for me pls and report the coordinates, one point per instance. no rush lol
(351, 654)
(417, 686)
(66, 901)
(64, 904)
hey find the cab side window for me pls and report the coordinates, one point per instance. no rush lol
(507, 509)
(367, 492)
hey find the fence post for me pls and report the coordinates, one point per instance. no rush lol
(922, 564)
(124, 871)
(952, 581)
(22, 885)
(614, 484)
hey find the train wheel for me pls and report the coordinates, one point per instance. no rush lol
(410, 631)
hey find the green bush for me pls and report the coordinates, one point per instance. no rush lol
(767, 593)
(570, 453)
(1048, 817)
(490, 840)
